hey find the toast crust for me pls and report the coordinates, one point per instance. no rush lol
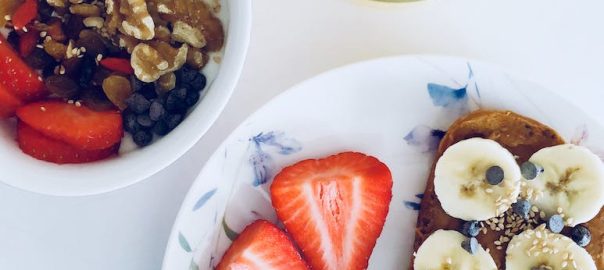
(522, 136)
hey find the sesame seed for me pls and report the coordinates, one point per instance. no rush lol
(39, 46)
(25, 29)
(7, 17)
(70, 101)
(78, 104)
(43, 34)
(42, 108)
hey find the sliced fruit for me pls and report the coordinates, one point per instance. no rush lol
(8, 103)
(76, 125)
(25, 13)
(44, 148)
(571, 183)
(262, 246)
(18, 78)
(476, 179)
(443, 250)
(542, 249)
(334, 208)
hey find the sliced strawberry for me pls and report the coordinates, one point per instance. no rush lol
(41, 147)
(25, 13)
(18, 78)
(262, 246)
(78, 126)
(334, 208)
(8, 103)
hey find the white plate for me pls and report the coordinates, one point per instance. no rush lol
(387, 108)
(24, 172)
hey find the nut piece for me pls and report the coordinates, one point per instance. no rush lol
(167, 82)
(128, 42)
(176, 57)
(183, 32)
(150, 61)
(196, 59)
(55, 49)
(138, 23)
(147, 63)
(56, 3)
(96, 22)
(85, 10)
(162, 33)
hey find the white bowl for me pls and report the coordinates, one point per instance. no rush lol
(24, 172)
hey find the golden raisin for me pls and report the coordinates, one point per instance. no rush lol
(117, 89)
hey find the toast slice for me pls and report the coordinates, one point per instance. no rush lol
(522, 136)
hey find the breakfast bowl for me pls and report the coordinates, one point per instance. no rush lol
(394, 109)
(221, 70)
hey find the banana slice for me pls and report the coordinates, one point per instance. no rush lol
(460, 179)
(442, 250)
(571, 183)
(537, 248)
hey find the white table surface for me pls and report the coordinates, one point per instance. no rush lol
(559, 44)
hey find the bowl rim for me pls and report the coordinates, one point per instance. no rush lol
(181, 140)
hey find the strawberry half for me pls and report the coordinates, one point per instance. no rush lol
(262, 246)
(41, 147)
(78, 126)
(8, 103)
(334, 208)
(17, 76)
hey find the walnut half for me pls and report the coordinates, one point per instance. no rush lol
(183, 32)
(138, 22)
(151, 61)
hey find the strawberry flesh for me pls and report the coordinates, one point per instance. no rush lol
(75, 125)
(262, 246)
(334, 208)
(19, 78)
(41, 147)
(8, 103)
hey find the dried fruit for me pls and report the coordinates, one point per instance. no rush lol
(85, 10)
(52, 28)
(39, 59)
(117, 64)
(117, 89)
(24, 14)
(96, 22)
(7, 8)
(92, 41)
(62, 86)
(95, 98)
(196, 58)
(55, 49)
(57, 3)
(183, 32)
(28, 41)
(167, 82)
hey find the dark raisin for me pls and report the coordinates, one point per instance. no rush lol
(62, 86)
(87, 69)
(49, 70)
(175, 101)
(138, 103)
(92, 41)
(185, 75)
(45, 11)
(95, 98)
(142, 138)
(39, 59)
(73, 26)
(198, 83)
(13, 39)
(72, 65)
(143, 88)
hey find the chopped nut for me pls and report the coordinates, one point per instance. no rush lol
(127, 42)
(55, 49)
(196, 59)
(71, 51)
(183, 32)
(147, 63)
(167, 82)
(138, 23)
(96, 22)
(85, 10)
(163, 8)
(176, 57)
(56, 3)
(162, 33)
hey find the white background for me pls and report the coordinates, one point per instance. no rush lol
(559, 44)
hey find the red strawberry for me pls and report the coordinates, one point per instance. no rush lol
(334, 208)
(262, 246)
(41, 147)
(19, 78)
(78, 126)
(8, 103)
